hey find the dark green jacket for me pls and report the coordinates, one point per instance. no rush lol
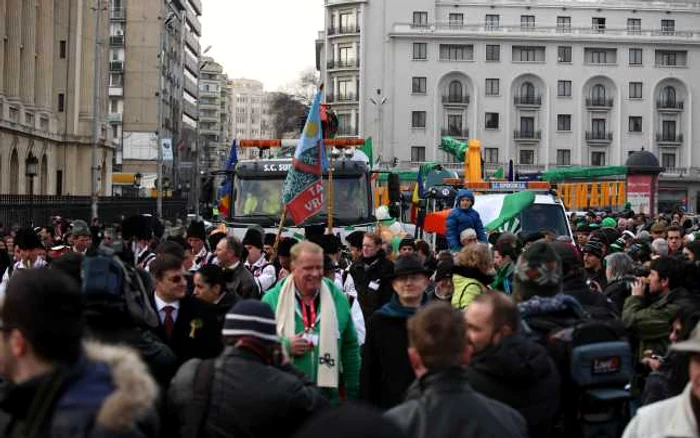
(504, 279)
(650, 324)
(348, 348)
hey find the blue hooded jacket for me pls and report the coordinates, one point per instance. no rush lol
(460, 219)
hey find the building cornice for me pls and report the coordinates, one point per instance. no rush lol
(650, 6)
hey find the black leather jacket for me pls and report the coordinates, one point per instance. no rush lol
(443, 404)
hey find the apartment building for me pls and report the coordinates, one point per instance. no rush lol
(154, 69)
(214, 115)
(250, 118)
(47, 64)
(544, 83)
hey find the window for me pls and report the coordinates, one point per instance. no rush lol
(44, 123)
(668, 26)
(668, 160)
(493, 52)
(527, 21)
(347, 22)
(420, 18)
(61, 102)
(668, 97)
(418, 119)
(456, 52)
(635, 124)
(419, 84)
(454, 125)
(59, 182)
(492, 87)
(491, 155)
(527, 91)
(29, 119)
(491, 120)
(564, 88)
(598, 24)
(563, 157)
(600, 56)
(420, 50)
(456, 20)
(598, 158)
(527, 127)
(528, 54)
(62, 49)
(564, 122)
(634, 25)
(115, 131)
(635, 90)
(113, 105)
(598, 129)
(635, 56)
(492, 21)
(455, 91)
(527, 156)
(668, 130)
(671, 58)
(564, 24)
(116, 79)
(417, 154)
(564, 54)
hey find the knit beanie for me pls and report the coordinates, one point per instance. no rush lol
(594, 248)
(80, 228)
(251, 318)
(253, 238)
(284, 248)
(538, 272)
(609, 222)
(407, 242)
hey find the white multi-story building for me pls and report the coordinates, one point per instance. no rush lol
(544, 83)
(214, 115)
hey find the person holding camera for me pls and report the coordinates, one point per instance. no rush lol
(249, 390)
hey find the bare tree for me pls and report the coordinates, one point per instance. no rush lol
(288, 107)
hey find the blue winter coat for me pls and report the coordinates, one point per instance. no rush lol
(460, 219)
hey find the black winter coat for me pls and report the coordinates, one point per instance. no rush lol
(444, 405)
(595, 303)
(386, 370)
(617, 292)
(249, 398)
(373, 288)
(519, 373)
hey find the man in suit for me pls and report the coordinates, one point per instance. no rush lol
(187, 325)
(239, 280)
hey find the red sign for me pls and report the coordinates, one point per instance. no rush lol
(640, 193)
(306, 203)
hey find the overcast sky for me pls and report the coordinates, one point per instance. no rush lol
(271, 41)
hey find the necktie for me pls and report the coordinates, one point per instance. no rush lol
(168, 322)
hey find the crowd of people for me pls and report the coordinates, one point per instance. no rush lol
(142, 329)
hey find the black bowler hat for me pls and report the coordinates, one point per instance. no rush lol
(408, 264)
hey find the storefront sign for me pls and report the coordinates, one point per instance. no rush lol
(592, 195)
(640, 190)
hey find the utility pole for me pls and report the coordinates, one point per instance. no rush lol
(95, 112)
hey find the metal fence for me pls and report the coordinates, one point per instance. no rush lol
(25, 209)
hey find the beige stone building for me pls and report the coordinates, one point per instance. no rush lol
(214, 115)
(249, 112)
(154, 54)
(46, 100)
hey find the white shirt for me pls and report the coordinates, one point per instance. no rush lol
(160, 305)
(265, 276)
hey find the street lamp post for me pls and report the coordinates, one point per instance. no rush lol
(379, 103)
(137, 183)
(198, 142)
(30, 170)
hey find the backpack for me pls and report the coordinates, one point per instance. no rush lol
(105, 275)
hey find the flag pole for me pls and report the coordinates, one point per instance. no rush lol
(279, 230)
(330, 193)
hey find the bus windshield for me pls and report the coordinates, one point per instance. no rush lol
(258, 196)
(542, 217)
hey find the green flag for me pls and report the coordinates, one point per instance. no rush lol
(454, 147)
(367, 150)
(513, 204)
(500, 173)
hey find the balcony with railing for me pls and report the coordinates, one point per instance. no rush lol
(343, 30)
(193, 42)
(117, 14)
(455, 131)
(341, 98)
(335, 64)
(669, 105)
(528, 135)
(455, 99)
(527, 100)
(599, 137)
(669, 138)
(599, 103)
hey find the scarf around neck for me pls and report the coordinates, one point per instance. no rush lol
(394, 308)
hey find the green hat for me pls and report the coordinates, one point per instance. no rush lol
(609, 222)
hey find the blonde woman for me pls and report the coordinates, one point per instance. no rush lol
(472, 274)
